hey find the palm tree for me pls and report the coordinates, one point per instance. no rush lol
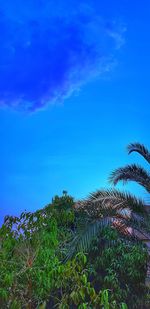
(112, 207)
(133, 172)
(138, 174)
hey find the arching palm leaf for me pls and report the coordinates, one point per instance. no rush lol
(131, 172)
(105, 200)
(141, 149)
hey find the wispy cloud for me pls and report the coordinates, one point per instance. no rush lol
(48, 52)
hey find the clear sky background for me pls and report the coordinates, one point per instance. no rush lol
(74, 91)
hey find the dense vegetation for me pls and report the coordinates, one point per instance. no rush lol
(36, 274)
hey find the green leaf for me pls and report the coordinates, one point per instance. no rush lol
(84, 279)
(124, 306)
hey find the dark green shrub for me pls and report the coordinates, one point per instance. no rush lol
(120, 267)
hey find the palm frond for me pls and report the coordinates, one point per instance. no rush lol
(85, 235)
(131, 172)
(107, 208)
(104, 201)
(134, 227)
(141, 149)
(119, 210)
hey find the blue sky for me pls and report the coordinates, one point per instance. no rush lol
(74, 91)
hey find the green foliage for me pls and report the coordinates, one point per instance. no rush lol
(62, 209)
(27, 259)
(64, 202)
(33, 274)
(72, 288)
(120, 268)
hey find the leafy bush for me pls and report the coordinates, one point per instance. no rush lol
(27, 260)
(121, 268)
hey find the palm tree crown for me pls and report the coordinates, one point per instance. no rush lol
(133, 172)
